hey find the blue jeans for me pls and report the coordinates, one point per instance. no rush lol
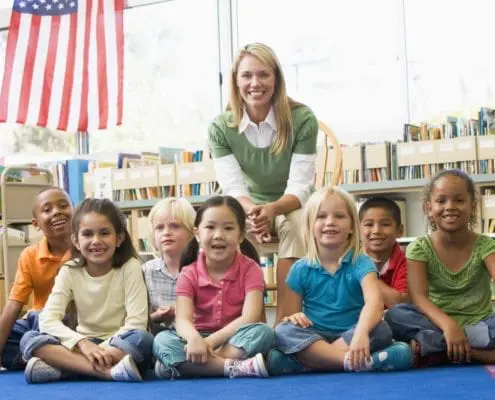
(12, 356)
(168, 347)
(135, 342)
(407, 323)
(292, 338)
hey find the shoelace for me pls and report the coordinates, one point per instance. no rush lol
(170, 373)
(241, 368)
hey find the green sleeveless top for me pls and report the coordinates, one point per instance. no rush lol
(265, 174)
(465, 296)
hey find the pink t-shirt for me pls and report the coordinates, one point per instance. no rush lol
(218, 303)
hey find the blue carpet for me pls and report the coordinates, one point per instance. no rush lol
(466, 382)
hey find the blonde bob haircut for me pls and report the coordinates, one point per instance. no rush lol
(281, 103)
(310, 213)
(179, 209)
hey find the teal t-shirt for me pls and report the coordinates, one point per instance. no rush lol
(333, 302)
(265, 174)
(465, 296)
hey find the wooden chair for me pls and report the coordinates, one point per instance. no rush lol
(322, 158)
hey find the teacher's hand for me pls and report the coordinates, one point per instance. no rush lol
(260, 218)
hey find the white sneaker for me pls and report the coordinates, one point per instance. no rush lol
(38, 371)
(254, 366)
(126, 370)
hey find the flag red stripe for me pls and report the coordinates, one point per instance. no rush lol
(27, 78)
(102, 67)
(83, 114)
(69, 75)
(15, 21)
(46, 93)
(119, 27)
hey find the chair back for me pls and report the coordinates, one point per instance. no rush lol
(322, 159)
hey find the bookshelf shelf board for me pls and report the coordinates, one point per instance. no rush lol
(384, 186)
(134, 204)
(19, 246)
(25, 185)
(405, 185)
(22, 221)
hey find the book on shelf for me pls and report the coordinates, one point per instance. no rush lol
(486, 121)
(169, 155)
(429, 148)
(376, 161)
(268, 266)
(486, 141)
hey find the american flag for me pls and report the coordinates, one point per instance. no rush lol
(64, 66)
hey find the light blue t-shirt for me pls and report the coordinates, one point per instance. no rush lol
(332, 302)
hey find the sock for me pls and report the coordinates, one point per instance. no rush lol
(347, 366)
(226, 366)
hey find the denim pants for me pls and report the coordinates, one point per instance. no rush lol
(12, 356)
(168, 347)
(290, 338)
(407, 323)
(137, 343)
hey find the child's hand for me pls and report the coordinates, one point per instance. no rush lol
(97, 356)
(163, 314)
(197, 350)
(458, 347)
(212, 345)
(299, 319)
(359, 352)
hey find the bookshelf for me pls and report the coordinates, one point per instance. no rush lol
(18, 195)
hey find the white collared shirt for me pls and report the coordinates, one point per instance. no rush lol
(229, 173)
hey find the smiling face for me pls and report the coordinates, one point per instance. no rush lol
(333, 224)
(219, 236)
(52, 214)
(379, 231)
(97, 240)
(256, 82)
(451, 205)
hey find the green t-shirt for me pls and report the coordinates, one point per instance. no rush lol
(465, 296)
(265, 174)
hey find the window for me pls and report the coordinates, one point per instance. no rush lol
(171, 90)
(450, 59)
(344, 59)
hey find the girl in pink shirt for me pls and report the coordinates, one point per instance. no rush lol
(219, 301)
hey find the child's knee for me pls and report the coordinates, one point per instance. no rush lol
(168, 348)
(265, 336)
(34, 340)
(137, 343)
(165, 342)
(382, 335)
(285, 329)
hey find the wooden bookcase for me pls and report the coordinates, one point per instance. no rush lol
(17, 203)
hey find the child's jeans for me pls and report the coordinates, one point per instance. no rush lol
(12, 356)
(408, 322)
(292, 338)
(168, 347)
(137, 343)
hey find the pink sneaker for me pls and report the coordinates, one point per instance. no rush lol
(254, 366)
